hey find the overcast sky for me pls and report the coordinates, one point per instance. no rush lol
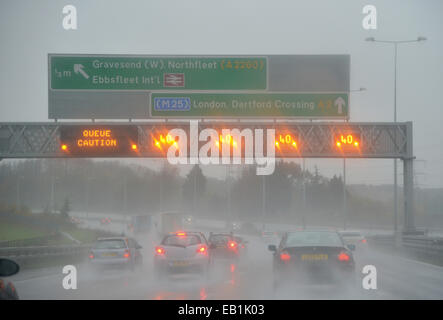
(29, 30)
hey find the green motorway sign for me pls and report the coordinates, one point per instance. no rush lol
(120, 72)
(266, 105)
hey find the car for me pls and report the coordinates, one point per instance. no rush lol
(231, 226)
(355, 238)
(76, 220)
(182, 252)
(224, 246)
(116, 252)
(189, 220)
(313, 257)
(7, 290)
(105, 221)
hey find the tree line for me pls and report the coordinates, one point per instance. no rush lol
(289, 194)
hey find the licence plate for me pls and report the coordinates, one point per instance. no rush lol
(109, 254)
(180, 263)
(314, 257)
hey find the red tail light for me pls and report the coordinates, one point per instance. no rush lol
(127, 254)
(91, 256)
(160, 251)
(202, 249)
(364, 240)
(343, 256)
(232, 245)
(284, 256)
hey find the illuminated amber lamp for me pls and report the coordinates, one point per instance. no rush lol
(345, 140)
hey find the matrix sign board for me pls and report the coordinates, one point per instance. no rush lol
(99, 140)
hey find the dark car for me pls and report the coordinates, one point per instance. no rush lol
(224, 246)
(313, 257)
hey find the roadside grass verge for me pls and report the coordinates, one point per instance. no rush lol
(16, 231)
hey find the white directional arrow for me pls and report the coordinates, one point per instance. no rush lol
(339, 102)
(78, 68)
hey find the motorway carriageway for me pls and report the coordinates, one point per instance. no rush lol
(398, 278)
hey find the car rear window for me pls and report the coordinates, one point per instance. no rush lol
(188, 240)
(300, 239)
(350, 234)
(220, 238)
(110, 244)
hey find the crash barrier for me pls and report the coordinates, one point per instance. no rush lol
(37, 241)
(40, 256)
(20, 252)
(419, 246)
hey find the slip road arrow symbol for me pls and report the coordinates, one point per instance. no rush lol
(339, 102)
(78, 68)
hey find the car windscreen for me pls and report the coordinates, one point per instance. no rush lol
(183, 241)
(110, 244)
(301, 239)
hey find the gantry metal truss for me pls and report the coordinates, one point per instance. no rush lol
(314, 140)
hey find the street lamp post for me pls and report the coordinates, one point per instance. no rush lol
(87, 192)
(18, 204)
(345, 204)
(228, 193)
(54, 180)
(395, 43)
